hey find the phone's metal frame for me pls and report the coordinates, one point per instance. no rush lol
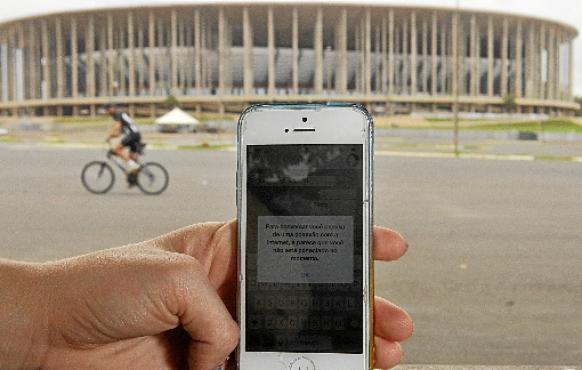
(367, 134)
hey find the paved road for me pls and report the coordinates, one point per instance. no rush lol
(492, 276)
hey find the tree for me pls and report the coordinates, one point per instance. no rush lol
(578, 100)
(171, 102)
(509, 103)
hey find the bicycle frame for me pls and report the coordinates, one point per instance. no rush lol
(114, 158)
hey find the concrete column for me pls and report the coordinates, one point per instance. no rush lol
(551, 64)
(248, 53)
(318, 50)
(103, 88)
(391, 59)
(529, 68)
(398, 60)
(181, 56)
(368, 53)
(444, 57)
(74, 59)
(60, 58)
(33, 65)
(376, 54)
(478, 63)
(463, 52)
(539, 62)
(203, 44)
(174, 48)
(110, 57)
(490, 57)
(90, 57)
(3, 74)
(434, 46)
(542, 55)
(519, 60)
(131, 49)
(342, 70)
(221, 51)
(140, 59)
(557, 64)
(271, 51)
(473, 56)
(21, 85)
(504, 58)
(424, 57)
(152, 53)
(362, 56)
(229, 57)
(571, 68)
(455, 48)
(10, 67)
(46, 70)
(405, 88)
(190, 56)
(197, 51)
(295, 55)
(384, 42)
(3, 70)
(121, 72)
(10, 96)
(413, 54)
(161, 64)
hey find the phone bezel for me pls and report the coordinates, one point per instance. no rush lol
(334, 124)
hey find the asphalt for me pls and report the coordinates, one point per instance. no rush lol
(492, 276)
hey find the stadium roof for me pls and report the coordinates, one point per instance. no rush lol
(84, 7)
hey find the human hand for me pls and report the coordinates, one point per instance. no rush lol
(164, 304)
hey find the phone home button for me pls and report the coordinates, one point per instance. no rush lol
(302, 363)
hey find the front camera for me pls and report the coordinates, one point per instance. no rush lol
(286, 130)
(304, 119)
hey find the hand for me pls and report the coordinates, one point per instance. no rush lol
(166, 303)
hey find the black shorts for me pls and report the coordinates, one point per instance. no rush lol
(132, 141)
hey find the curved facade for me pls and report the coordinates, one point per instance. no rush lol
(224, 56)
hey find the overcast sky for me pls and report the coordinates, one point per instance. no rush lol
(561, 10)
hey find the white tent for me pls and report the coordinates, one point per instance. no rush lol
(176, 120)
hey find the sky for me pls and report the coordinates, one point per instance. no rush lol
(566, 11)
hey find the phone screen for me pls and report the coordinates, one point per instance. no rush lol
(304, 248)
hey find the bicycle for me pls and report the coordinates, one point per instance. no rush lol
(98, 177)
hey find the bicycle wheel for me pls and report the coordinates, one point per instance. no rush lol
(97, 177)
(153, 178)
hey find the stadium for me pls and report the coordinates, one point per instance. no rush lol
(220, 57)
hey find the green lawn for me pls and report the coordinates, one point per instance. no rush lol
(550, 126)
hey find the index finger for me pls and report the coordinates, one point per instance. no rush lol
(389, 245)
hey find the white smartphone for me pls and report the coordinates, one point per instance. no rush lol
(304, 199)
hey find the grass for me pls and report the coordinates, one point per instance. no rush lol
(9, 139)
(553, 158)
(553, 125)
(446, 120)
(203, 146)
(548, 126)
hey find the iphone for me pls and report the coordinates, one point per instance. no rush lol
(304, 199)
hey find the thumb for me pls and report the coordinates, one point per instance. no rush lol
(204, 316)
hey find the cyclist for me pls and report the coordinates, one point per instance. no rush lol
(124, 126)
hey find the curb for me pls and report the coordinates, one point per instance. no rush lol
(497, 157)
(379, 153)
